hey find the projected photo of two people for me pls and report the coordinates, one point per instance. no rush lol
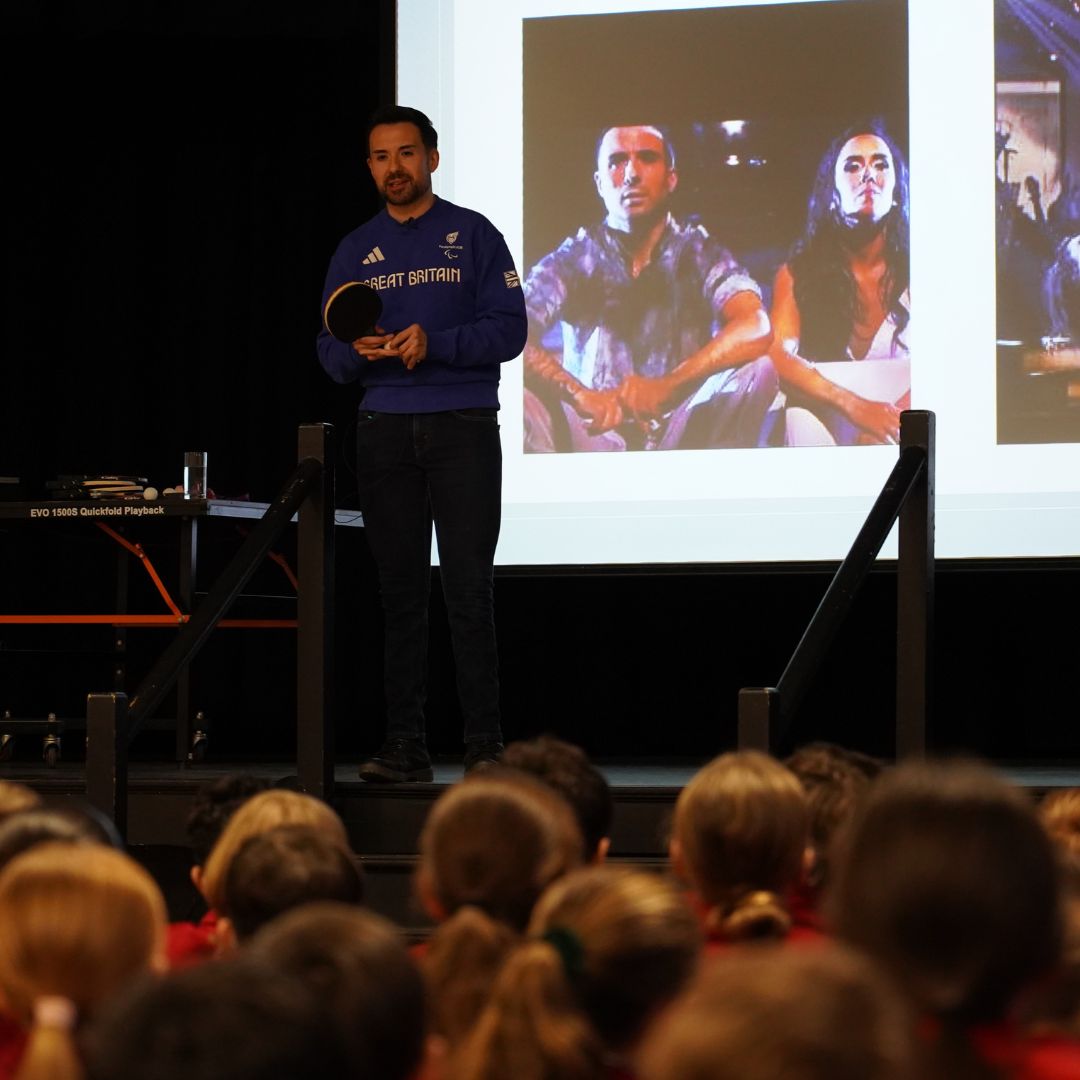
(716, 229)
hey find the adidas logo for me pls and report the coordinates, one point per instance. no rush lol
(374, 256)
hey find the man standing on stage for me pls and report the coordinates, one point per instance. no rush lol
(644, 332)
(428, 448)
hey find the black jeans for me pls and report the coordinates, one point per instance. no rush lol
(415, 469)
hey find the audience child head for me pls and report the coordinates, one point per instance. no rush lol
(15, 797)
(1056, 1007)
(234, 1019)
(40, 825)
(799, 1014)
(275, 871)
(489, 848)
(78, 922)
(1059, 812)
(607, 948)
(259, 814)
(356, 966)
(834, 781)
(950, 883)
(495, 841)
(739, 840)
(569, 771)
(214, 803)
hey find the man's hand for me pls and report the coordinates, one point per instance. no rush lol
(599, 408)
(643, 398)
(410, 344)
(879, 419)
(376, 346)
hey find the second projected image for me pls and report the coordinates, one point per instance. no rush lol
(1037, 167)
(717, 228)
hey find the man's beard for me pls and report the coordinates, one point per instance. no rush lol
(410, 193)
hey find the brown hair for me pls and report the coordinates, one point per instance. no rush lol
(78, 922)
(950, 882)
(608, 947)
(1059, 812)
(801, 1014)
(460, 964)
(741, 828)
(15, 797)
(496, 841)
(259, 814)
(283, 868)
(355, 964)
(834, 784)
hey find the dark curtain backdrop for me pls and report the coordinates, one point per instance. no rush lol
(175, 182)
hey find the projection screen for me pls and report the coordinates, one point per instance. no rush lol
(538, 103)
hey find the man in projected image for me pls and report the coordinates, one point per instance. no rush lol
(843, 296)
(644, 332)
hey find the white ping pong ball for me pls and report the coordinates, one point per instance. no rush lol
(149, 493)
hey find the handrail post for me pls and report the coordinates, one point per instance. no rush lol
(107, 756)
(759, 713)
(915, 593)
(315, 629)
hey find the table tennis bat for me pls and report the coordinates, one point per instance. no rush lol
(352, 311)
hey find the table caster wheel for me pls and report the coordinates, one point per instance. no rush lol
(7, 747)
(198, 747)
(51, 750)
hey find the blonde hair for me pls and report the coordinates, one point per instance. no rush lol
(15, 797)
(742, 825)
(257, 815)
(608, 947)
(803, 1014)
(77, 923)
(496, 841)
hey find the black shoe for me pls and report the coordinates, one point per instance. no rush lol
(479, 757)
(397, 761)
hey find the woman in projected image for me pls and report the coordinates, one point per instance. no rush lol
(843, 296)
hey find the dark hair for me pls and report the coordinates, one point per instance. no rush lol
(25, 830)
(669, 149)
(950, 882)
(825, 290)
(834, 784)
(234, 1019)
(402, 114)
(278, 870)
(356, 965)
(212, 807)
(567, 769)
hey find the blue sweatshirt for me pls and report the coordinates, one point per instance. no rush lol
(450, 271)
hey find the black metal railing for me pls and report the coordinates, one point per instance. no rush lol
(765, 713)
(112, 720)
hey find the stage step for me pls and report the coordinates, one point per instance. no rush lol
(384, 821)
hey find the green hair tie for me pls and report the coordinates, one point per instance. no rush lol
(571, 952)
